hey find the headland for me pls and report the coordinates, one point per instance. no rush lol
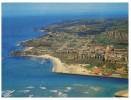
(95, 47)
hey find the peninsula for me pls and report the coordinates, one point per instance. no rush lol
(96, 47)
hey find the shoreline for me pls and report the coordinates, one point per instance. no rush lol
(57, 65)
(73, 69)
(123, 93)
(89, 75)
(60, 68)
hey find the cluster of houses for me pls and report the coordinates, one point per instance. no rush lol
(95, 52)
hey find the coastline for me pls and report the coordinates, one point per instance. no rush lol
(59, 67)
(62, 68)
(34, 70)
(73, 69)
(123, 93)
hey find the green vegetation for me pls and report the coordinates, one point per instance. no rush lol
(98, 42)
(89, 26)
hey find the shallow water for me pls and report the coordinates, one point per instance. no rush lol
(22, 77)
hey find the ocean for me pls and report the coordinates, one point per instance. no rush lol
(32, 77)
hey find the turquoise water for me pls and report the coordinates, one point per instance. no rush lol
(31, 77)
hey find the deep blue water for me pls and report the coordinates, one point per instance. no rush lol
(23, 77)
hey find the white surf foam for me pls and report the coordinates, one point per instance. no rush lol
(24, 91)
(43, 88)
(7, 93)
(86, 92)
(95, 88)
(43, 61)
(68, 88)
(30, 87)
(53, 90)
(31, 95)
(80, 85)
(62, 94)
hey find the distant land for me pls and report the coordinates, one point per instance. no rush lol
(96, 47)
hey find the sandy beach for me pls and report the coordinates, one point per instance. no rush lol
(77, 69)
(59, 67)
(123, 93)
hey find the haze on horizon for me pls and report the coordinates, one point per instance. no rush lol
(35, 9)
